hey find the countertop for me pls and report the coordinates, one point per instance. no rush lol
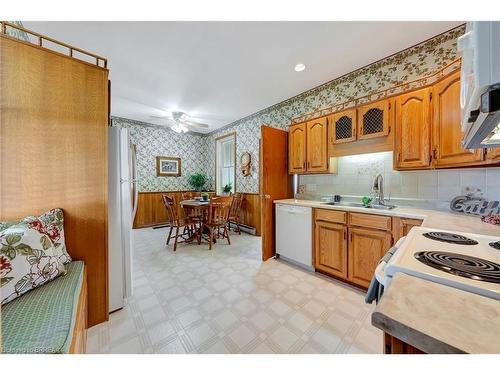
(432, 317)
(431, 219)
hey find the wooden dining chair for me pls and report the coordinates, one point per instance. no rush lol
(188, 225)
(234, 214)
(218, 217)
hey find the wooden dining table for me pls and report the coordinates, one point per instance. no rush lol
(195, 204)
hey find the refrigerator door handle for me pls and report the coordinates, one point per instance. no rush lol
(134, 183)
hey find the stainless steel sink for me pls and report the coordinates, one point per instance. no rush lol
(361, 205)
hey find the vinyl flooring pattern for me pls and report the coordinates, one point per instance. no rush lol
(228, 301)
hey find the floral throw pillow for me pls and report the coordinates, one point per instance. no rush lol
(28, 259)
(51, 224)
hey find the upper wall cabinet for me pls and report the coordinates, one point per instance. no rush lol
(493, 154)
(308, 146)
(342, 126)
(373, 120)
(447, 149)
(317, 145)
(297, 148)
(413, 130)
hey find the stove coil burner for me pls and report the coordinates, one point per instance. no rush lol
(495, 245)
(461, 265)
(450, 238)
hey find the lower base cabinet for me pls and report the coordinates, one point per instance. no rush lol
(349, 246)
(393, 345)
(366, 248)
(330, 243)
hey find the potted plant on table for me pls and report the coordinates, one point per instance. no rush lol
(227, 189)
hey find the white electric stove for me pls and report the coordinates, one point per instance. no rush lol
(466, 261)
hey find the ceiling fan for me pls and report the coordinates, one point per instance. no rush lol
(180, 122)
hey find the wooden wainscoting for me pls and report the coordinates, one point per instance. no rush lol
(250, 211)
(151, 212)
(150, 208)
(54, 152)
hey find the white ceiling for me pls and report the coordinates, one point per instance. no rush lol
(220, 72)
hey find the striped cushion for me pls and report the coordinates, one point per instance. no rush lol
(42, 320)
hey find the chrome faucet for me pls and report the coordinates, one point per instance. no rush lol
(378, 189)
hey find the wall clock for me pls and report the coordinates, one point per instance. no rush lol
(245, 160)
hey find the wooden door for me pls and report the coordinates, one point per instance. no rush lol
(366, 248)
(274, 182)
(330, 248)
(402, 225)
(317, 142)
(447, 149)
(413, 130)
(373, 120)
(297, 148)
(342, 126)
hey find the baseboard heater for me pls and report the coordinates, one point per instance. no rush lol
(243, 227)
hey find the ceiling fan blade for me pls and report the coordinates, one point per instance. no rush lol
(196, 124)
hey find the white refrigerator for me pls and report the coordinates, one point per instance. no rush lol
(122, 206)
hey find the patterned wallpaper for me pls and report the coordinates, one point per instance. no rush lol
(198, 151)
(152, 141)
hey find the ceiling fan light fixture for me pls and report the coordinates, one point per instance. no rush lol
(179, 128)
(300, 67)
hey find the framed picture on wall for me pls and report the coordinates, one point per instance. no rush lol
(168, 166)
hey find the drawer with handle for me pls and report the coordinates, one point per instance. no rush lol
(332, 216)
(370, 221)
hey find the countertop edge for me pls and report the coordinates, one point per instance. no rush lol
(413, 337)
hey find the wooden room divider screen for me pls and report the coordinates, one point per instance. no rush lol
(54, 150)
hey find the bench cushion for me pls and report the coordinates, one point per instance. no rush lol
(42, 320)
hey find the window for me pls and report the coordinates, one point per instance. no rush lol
(225, 162)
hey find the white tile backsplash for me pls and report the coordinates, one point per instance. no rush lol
(356, 173)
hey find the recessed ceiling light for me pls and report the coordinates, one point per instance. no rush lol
(299, 67)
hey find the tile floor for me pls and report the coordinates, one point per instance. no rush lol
(229, 301)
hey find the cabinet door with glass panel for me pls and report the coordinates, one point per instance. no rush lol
(225, 163)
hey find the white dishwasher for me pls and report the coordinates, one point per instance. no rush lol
(294, 234)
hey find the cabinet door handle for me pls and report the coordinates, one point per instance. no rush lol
(434, 153)
(345, 234)
(304, 165)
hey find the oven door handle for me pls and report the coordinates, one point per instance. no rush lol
(380, 269)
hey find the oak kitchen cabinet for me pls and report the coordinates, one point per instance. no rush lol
(373, 119)
(330, 244)
(366, 248)
(413, 130)
(402, 225)
(342, 126)
(349, 246)
(317, 145)
(308, 147)
(297, 148)
(447, 134)
(493, 154)
(428, 129)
